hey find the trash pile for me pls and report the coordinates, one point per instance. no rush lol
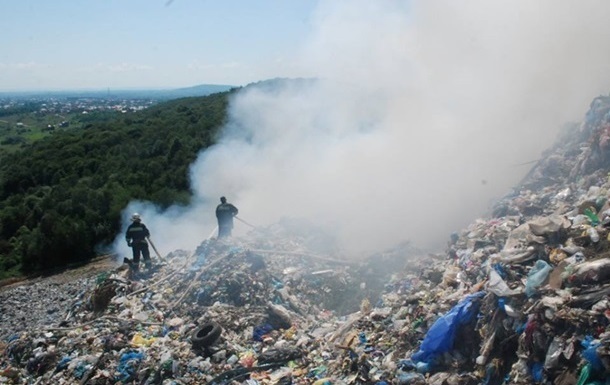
(520, 297)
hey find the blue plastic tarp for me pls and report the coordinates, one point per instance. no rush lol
(440, 337)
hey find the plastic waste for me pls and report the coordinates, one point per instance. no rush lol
(579, 220)
(406, 365)
(323, 381)
(553, 353)
(139, 340)
(563, 194)
(232, 360)
(410, 379)
(247, 359)
(497, 285)
(260, 331)
(590, 272)
(511, 312)
(63, 364)
(486, 349)
(585, 373)
(537, 372)
(537, 276)
(593, 234)
(362, 338)
(600, 201)
(557, 255)
(593, 218)
(422, 367)
(128, 366)
(519, 370)
(441, 335)
(590, 353)
(548, 225)
(499, 268)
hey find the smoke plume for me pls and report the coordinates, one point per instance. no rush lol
(419, 118)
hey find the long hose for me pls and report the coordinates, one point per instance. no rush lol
(241, 220)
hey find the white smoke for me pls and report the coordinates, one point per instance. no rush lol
(424, 113)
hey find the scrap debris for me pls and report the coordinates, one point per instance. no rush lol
(519, 297)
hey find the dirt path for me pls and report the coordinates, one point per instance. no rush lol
(96, 266)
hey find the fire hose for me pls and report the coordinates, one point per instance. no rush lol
(241, 220)
(155, 249)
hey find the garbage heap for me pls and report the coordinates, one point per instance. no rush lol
(519, 297)
(232, 310)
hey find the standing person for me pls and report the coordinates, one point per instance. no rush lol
(136, 235)
(225, 213)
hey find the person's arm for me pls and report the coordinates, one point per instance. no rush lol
(235, 211)
(146, 232)
(128, 237)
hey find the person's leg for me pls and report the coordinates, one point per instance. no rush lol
(136, 255)
(222, 231)
(146, 255)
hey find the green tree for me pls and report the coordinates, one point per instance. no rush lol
(62, 196)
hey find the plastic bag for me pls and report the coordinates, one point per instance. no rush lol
(497, 285)
(553, 353)
(537, 276)
(591, 272)
(590, 353)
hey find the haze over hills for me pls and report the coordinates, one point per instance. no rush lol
(109, 93)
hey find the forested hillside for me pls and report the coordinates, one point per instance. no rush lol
(62, 196)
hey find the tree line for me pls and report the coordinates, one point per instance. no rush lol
(62, 196)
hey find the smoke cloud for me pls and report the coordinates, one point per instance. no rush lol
(419, 119)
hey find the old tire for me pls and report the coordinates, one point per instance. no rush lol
(205, 335)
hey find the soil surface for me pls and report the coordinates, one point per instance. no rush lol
(95, 266)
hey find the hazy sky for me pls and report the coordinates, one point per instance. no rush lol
(71, 44)
(425, 112)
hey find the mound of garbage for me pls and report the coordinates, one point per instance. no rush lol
(520, 297)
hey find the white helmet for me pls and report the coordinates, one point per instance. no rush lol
(135, 217)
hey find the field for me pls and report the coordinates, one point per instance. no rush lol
(24, 122)
(24, 128)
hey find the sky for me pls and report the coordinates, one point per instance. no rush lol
(421, 118)
(117, 44)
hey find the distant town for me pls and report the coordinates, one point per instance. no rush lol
(69, 105)
(27, 119)
(29, 116)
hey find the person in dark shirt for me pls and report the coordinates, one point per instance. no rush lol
(225, 213)
(136, 236)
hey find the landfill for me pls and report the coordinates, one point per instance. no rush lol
(517, 297)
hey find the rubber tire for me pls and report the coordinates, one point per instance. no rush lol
(206, 334)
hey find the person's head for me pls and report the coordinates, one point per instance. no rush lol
(136, 217)
(223, 200)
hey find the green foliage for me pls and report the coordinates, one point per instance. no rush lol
(62, 196)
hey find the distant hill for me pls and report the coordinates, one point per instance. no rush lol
(200, 90)
(160, 94)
